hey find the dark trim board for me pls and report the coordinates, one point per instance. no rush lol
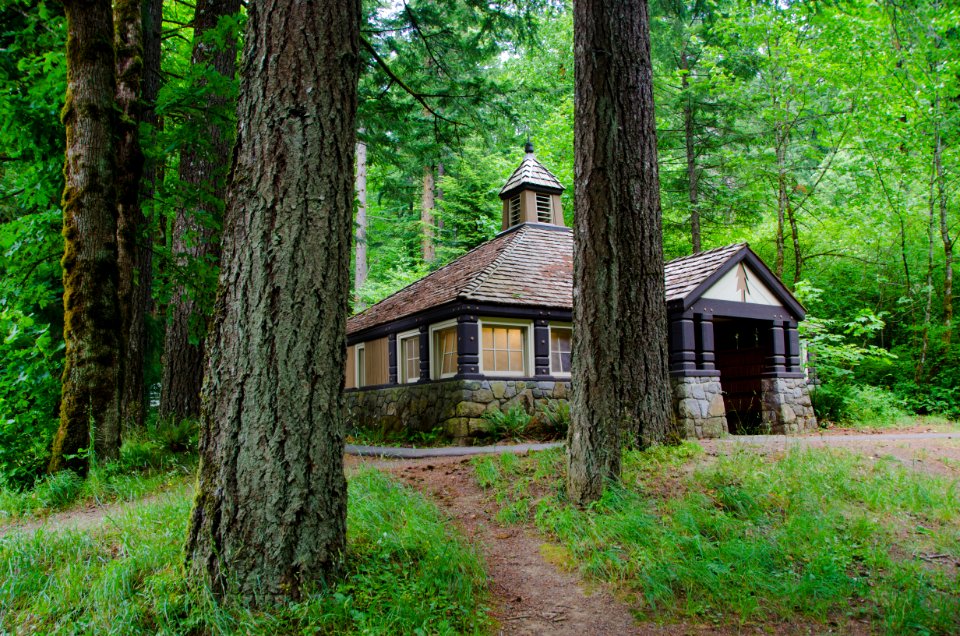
(732, 309)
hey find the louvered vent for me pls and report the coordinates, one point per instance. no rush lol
(515, 211)
(544, 208)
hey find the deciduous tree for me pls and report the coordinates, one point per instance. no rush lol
(89, 407)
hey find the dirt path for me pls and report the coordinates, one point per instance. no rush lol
(87, 517)
(917, 448)
(531, 596)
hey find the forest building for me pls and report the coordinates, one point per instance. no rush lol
(492, 329)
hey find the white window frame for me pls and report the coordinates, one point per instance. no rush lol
(401, 360)
(559, 325)
(434, 370)
(527, 326)
(360, 366)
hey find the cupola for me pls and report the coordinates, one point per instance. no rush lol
(531, 194)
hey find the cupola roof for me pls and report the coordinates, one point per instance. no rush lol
(532, 175)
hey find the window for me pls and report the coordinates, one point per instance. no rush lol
(560, 341)
(515, 210)
(503, 349)
(408, 350)
(544, 208)
(445, 352)
(361, 366)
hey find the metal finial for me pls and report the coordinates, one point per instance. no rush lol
(528, 147)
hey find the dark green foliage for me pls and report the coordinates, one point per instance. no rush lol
(29, 397)
(510, 424)
(553, 418)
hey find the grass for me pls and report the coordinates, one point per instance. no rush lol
(813, 536)
(144, 467)
(407, 572)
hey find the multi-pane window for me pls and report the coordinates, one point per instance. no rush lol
(503, 349)
(560, 340)
(515, 210)
(544, 208)
(410, 358)
(445, 346)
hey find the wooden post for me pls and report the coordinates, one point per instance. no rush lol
(424, 354)
(468, 346)
(776, 361)
(541, 348)
(706, 356)
(683, 355)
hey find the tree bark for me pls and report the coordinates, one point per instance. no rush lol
(620, 376)
(133, 293)
(944, 229)
(152, 169)
(921, 367)
(360, 260)
(89, 407)
(795, 238)
(270, 510)
(203, 173)
(690, 142)
(780, 138)
(427, 204)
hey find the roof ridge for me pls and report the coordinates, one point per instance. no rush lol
(740, 244)
(487, 271)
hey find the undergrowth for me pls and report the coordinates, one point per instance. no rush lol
(153, 461)
(407, 572)
(815, 535)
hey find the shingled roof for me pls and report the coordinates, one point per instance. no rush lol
(685, 274)
(529, 265)
(531, 173)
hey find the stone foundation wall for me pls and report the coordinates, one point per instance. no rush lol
(786, 406)
(456, 406)
(698, 406)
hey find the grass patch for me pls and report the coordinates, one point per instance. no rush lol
(116, 481)
(407, 572)
(814, 535)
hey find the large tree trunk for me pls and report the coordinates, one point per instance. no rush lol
(90, 394)
(780, 139)
(133, 293)
(944, 231)
(690, 143)
(360, 261)
(620, 324)
(921, 368)
(427, 204)
(795, 238)
(152, 169)
(270, 510)
(203, 172)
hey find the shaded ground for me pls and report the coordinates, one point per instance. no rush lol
(917, 447)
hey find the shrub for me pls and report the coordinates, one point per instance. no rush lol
(831, 401)
(29, 394)
(554, 417)
(509, 424)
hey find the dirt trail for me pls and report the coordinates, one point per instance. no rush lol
(88, 517)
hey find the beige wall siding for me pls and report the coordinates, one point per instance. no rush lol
(377, 361)
(351, 382)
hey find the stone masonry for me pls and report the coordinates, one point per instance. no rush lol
(698, 406)
(786, 406)
(456, 406)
